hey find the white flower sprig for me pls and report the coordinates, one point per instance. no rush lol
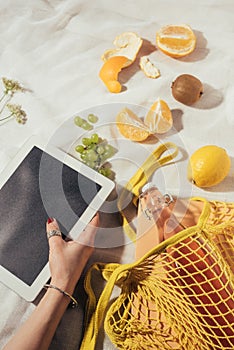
(16, 111)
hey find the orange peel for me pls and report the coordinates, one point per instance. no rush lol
(130, 126)
(126, 44)
(159, 118)
(110, 71)
(150, 70)
(176, 40)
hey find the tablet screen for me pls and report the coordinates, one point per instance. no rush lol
(41, 187)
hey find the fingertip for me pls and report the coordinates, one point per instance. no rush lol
(52, 223)
(50, 220)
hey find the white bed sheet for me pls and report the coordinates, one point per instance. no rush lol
(54, 47)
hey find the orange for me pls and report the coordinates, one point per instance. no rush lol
(130, 126)
(159, 118)
(176, 40)
(110, 70)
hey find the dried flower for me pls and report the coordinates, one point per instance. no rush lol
(12, 86)
(17, 112)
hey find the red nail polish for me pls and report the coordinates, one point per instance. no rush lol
(50, 220)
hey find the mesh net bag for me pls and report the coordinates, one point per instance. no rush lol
(179, 295)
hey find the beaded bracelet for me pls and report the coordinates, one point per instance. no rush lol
(74, 302)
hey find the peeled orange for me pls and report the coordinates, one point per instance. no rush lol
(130, 126)
(159, 118)
(176, 40)
(208, 166)
(110, 70)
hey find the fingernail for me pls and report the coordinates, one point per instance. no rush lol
(50, 220)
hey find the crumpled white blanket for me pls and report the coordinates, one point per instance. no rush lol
(53, 47)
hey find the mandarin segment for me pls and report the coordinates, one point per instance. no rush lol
(150, 70)
(130, 126)
(176, 40)
(159, 118)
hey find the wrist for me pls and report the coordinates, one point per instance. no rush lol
(62, 295)
(66, 285)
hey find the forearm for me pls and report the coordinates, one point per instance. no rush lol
(37, 332)
(67, 260)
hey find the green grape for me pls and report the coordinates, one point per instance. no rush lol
(105, 171)
(104, 157)
(80, 149)
(92, 146)
(78, 121)
(86, 141)
(83, 156)
(100, 150)
(109, 150)
(92, 118)
(90, 164)
(86, 126)
(92, 155)
(102, 171)
(108, 172)
(95, 138)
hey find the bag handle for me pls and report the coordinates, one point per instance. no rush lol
(140, 178)
(95, 310)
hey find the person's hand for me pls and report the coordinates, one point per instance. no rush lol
(67, 259)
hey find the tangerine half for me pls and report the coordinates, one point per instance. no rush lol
(176, 40)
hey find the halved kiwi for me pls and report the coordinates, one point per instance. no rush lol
(187, 89)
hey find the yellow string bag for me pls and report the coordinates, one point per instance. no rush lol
(179, 295)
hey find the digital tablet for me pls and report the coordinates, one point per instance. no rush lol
(40, 182)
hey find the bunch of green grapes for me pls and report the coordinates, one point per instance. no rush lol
(94, 152)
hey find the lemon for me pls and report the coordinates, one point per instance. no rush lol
(208, 166)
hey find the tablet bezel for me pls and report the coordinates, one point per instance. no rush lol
(27, 292)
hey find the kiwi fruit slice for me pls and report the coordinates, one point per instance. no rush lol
(187, 89)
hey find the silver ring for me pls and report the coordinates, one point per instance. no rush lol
(54, 233)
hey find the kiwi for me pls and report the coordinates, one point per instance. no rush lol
(187, 89)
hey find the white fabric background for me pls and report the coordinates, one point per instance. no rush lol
(54, 47)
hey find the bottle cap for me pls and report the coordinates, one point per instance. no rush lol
(147, 186)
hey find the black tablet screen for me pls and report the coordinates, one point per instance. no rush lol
(40, 187)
